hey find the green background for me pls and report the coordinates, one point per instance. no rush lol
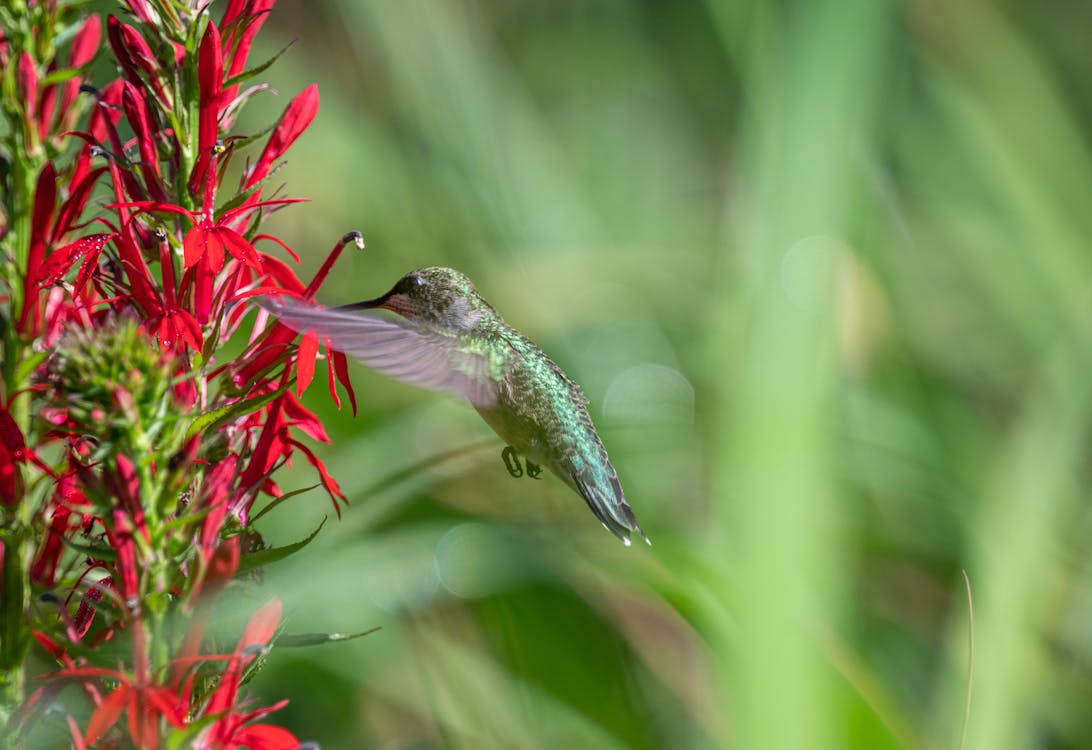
(822, 269)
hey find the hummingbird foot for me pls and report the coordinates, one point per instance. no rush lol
(512, 464)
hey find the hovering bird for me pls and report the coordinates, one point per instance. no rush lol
(449, 338)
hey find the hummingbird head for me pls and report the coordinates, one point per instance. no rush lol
(434, 297)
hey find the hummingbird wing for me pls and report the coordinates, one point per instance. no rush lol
(394, 348)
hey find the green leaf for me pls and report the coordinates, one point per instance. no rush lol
(246, 75)
(241, 198)
(277, 501)
(264, 557)
(317, 639)
(99, 553)
(29, 365)
(212, 419)
(60, 76)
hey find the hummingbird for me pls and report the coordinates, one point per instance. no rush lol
(448, 338)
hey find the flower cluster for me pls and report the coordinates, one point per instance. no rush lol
(131, 456)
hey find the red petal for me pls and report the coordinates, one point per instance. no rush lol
(77, 736)
(200, 242)
(11, 437)
(210, 76)
(142, 10)
(303, 418)
(285, 247)
(237, 245)
(256, 11)
(72, 208)
(225, 560)
(305, 362)
(55, 649)
(26, 81)
(282, 274)
(341, 368)
(136, 111)
(189, 330)
(143, 285)
(328, 481)
(86, 42)
(297, 116)
(107, 714)
(143, 727)
(59, 263)
(84, 46)
(167, 703)
(262, 626)
(331, 381)
(45, 199)
(267, 737)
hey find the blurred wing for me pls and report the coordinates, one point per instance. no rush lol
(397, 349)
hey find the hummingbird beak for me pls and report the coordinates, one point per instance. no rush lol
(368, 304)
(393, 301)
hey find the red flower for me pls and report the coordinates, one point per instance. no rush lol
(296, 118)
(231, 730)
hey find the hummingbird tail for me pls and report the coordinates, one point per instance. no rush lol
(609, 505)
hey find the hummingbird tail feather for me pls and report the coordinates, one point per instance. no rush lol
(609, 505)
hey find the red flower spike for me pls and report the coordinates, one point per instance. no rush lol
(296, 118)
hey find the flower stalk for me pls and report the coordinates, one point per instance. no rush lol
(131, 450)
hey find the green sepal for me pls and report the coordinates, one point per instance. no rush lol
(246, 75)
(223, 415)
(264, 557)
(303, 640)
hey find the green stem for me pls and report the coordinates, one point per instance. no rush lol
(14, 640)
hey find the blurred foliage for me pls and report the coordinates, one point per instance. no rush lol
(823, 271)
